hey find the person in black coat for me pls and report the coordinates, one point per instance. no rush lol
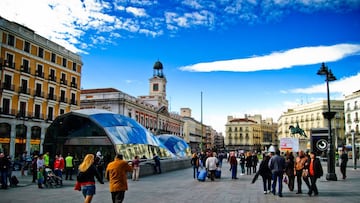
(265, 173)
(4, 168)
(344, 159)
(315, 171)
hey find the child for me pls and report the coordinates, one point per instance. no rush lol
(40, 177)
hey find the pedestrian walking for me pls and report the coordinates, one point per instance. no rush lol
(233, 165)
(99, 164)
(211, 165)
(242, 160)
(116, 173)
(289, 170)
(157, 166)
(85, 180)
(59, 165)
(195, 164)
(300, 161)
(265, 173)
(315, 171)
(34, 168)
(277, 167)
(255, 161)
(344, 159)
(136, 168)
(4, 167)
(69, 166)
(248, 160)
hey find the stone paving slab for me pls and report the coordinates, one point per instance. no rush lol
(179, 186)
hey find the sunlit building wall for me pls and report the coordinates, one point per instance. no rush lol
(40, 80)
(352, 113)
(310, 116)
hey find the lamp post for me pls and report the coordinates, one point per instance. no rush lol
(331, 175)
(354, 153)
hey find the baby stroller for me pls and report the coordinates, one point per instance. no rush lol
(51, 179)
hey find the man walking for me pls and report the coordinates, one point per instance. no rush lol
(116, 174)
(277, 167)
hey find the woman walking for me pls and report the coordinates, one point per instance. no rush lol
(315, 171)
(265, 173)
(85, 178)
(289, 170)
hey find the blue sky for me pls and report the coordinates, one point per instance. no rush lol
(245, 56)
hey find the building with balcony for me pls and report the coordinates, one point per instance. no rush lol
(352, 113)
(250, 133)
(150, 111)
(309, 116)
(39, 80)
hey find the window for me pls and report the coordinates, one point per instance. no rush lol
(10, 60)
(50, 113)
(39, 70)
(51, 93)
(11, 40)
(37, 111)
(53, 57)
(62, 111)
(62, 96)
(73, 98)
(156, 87)
(7, 82)
(27, 47)
(25, 67)
(23, 86)
(64, 62)
(22, 110)
(5, 106)
(63, 78)
(38, 90)
(41, 52)
(74, 66)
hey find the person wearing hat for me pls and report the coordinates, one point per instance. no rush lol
(116, 173)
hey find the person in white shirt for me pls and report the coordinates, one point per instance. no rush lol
(211, 165)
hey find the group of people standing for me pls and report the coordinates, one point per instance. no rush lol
(305, 167)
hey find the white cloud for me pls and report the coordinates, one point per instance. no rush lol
(344, 86)
(72, 22)
(140, 12)
(280, 60)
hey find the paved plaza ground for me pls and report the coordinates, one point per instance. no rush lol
(179, 186)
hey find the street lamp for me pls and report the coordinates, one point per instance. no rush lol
(354, 153)
(331, 175)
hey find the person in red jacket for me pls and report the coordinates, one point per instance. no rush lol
(59, 165)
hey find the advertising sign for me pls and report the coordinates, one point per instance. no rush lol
(289, 144)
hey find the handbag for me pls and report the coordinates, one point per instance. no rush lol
(304, 173)
(285, 179)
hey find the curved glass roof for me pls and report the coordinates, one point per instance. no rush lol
(126, 135)
(175, 144)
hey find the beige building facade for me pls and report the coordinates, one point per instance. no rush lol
(39, 81)
(308, 116)
(250, 133)
(352, 113)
